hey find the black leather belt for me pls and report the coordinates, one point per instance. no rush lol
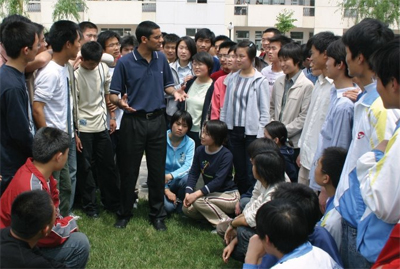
(148, 115)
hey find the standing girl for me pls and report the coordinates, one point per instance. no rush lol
(200, 90)
(245, 111)
(182, 70)
(217, 198)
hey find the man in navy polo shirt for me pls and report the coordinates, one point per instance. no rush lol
(142, 77)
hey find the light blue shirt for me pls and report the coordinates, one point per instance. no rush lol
(337, 128)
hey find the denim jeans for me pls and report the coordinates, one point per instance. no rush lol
(72, 166)
(348, 249)
(74, 253)
(244, 234)
(176, 186)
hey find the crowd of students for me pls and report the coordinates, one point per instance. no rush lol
(289, 155)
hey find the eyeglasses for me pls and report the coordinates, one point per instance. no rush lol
(222, 56)
(113, 45)
(230, 56)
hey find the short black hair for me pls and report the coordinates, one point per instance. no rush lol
(31, 211)
(47, 142)
(205, 33)
(281, 39)
(227, 44)
(106, 35)
(128, 40)
(62, 32)
(92, 51)
(285, 224)
(366, 37)
(292, 51)
(270, 166)
(385, 61)
(87, 25)
(306, 51)
(261, 144)
(145, 28)
(337, 51)
(302, 195)
(205, 58)
(217, 130)
(170, 38)
(221, 37)
(272, 30)
(191, 45)
(39, 28)
(16, 36)
(332, 161)
(10, 19)
(250, 47)
(184, 116)
(277, 129)
(322, 40)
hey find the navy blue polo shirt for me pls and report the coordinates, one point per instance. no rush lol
(143, 82)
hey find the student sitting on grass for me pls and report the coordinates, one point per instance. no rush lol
(319, 237)
(32, 218)
(50, 152)
(213, 162)
(282, 231)
(180, 151)
(327, 175)
(277, 131)
(268, 169)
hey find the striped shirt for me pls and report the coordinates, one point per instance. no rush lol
(240, 96)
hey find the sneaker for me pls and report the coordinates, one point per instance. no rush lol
(214, 231)
(136, 204)
(75, 217)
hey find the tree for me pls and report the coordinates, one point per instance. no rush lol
(387, 11)
(12, 7)
(285, 21)
(67, 9)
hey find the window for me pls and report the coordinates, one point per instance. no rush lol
(242, 34)
(197, 1)
(34, 6)
(148, 7)
(120, 31)
(296, 35)
(191, 31)
(257, 40)
(310, 34)
(308, 11)
(240, 10)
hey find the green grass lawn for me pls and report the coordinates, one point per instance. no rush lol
(186, 243)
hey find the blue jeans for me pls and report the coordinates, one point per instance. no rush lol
(72, 166)
(74, 253)
(176, 186)
(244, 233)
(348, 249)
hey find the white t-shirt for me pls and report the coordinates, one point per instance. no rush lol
(271, 76)
(51, 88)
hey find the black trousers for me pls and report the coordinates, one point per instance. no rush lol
(97, 147)
(138, 135)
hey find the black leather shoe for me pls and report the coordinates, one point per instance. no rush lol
(159, 225)
(121, 223)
